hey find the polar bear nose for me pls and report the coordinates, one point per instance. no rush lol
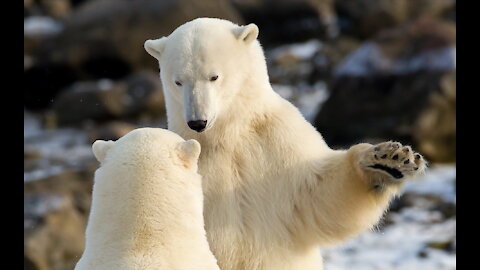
(197, 125)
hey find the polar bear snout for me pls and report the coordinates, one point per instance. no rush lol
(197, 125)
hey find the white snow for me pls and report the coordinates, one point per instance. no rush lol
(59, 149)
(438, 59)
(41, 26)
(368, 59)
(311, 100)
(308, 99)
(302, 51)
(399, 245)
(284, 91)
(105, 84)
(440, 180)
(31, 125)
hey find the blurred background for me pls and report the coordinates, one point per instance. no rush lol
(359, 71)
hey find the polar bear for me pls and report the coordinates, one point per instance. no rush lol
(274, 191)
(147, 205)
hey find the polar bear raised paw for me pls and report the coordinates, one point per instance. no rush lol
(393, 160)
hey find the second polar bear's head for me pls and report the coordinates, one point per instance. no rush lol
(150, 147)
(149, 167)
(204, 64)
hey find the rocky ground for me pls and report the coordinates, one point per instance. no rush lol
(361, 70)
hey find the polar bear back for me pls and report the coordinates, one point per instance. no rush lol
(147, 205)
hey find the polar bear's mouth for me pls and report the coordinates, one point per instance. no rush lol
(392, 171)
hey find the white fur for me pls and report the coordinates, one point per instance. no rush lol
(147, 205)
(274, 191)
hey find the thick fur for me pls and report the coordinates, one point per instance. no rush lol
(274, 191)
(147, 206)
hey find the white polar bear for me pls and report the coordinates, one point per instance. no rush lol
(147, 205)
(274, 191)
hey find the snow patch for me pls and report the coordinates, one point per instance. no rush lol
(302, 51)
(369, 60)
(308, 99)
(41, 26)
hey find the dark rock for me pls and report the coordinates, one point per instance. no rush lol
(90, 100)
(145, 90)
(70, 184)
(332, 53)
(110, 131)
(31, 154)
(435, 129)
(375, 107)
(101, 35)
(286, 21)
(57, 8)
(57, 240)
(55, 217)
(365, 18)
(29, 264)
(105, 99)
(309, 61)
(448, 209)
(37, 29)
(398, 203)
(423, 45)
(448, 246)
(54, 8)
(380, 90)
(423, 254)
(292, 63)
(43, 82)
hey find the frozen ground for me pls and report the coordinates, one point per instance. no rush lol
(419, 238)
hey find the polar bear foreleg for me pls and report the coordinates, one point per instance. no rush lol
(352, 189)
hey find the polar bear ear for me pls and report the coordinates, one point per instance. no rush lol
(100, 149)
(247, 33)
(188, 152)
(155, 46)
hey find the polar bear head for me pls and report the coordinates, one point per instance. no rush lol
(149, 146)
(204, 64)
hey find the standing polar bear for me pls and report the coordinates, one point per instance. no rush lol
(274, 191)
(147, 206)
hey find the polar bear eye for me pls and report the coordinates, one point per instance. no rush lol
(213, 78)
(178, 83)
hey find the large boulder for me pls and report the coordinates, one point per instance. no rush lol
(43, 82)
(140, 93)
(365, 18)
(382, 89)
(307, 62)
(292, 63)
(282, 21)
(109, 34)
(55, 217)
(113, 130)
(376, 108)
(435, 129)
